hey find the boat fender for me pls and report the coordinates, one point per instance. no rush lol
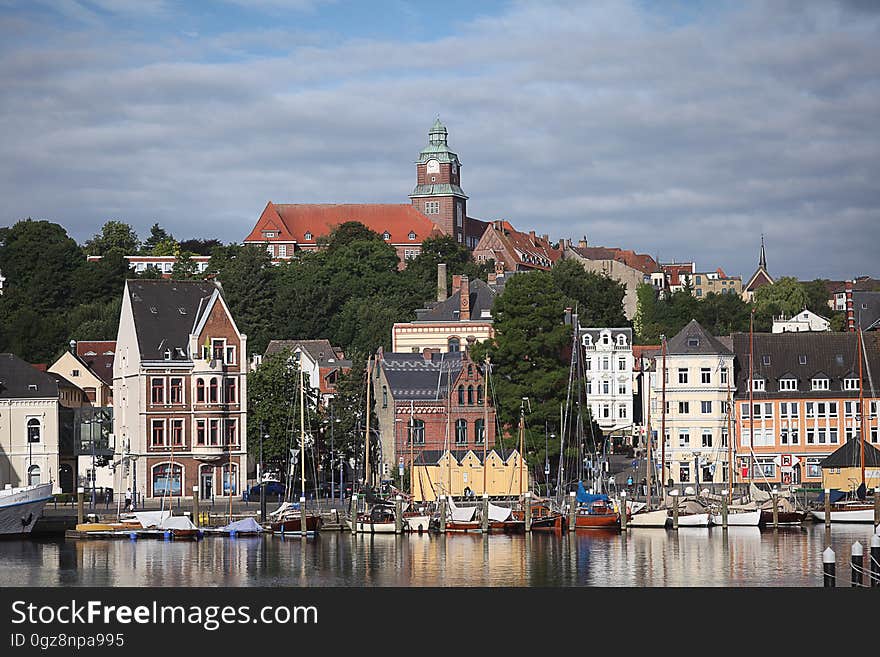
(132, 536)
(233, 534)
(167, 534)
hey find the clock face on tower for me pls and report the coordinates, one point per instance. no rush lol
(433, 166)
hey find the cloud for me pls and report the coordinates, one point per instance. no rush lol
(682, 137)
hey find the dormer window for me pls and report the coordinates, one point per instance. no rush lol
(167, 354)
(386, 235)
(758, 385)
(802, 359)
(820, 383)
(765, 359)
(693, 342)
(182, 311)
(621, 340)
(787, 385)
(154, 310)
(606, 339)
(851, 384)
(269, 233)
(411, 235)
(588, 340)
(308, 236)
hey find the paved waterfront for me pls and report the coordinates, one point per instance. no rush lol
(742, 556)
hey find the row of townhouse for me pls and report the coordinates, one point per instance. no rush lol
(789, 400)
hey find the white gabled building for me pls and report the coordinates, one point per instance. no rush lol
(180, 390)
(608, 369)
(804, 321)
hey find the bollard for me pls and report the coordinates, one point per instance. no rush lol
(775, 510)
(485, 523)
(828, 563)
(875, 560)
(442, 514)
(398, 515)
(196, 518)
(572, 510)
(827, 507)
(303, 529)
(858, 562)
(528, 503)
(724, 509)
(80, 495)
(623, 511)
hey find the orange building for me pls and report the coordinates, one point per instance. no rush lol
(804, 402)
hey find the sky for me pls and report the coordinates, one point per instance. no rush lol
(678, 128)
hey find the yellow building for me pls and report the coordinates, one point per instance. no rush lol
(842, 470)
(456, 471)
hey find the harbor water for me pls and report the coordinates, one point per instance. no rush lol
(693, 557)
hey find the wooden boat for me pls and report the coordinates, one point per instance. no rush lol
(656, 519)
(379, 520)
(783, 517)
(544, 519)
(693, 519)
(847, 512)
(737, 518)
(415, 521)
(598, 515)
(292, 524)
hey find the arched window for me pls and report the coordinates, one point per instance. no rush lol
(213, 393)
(230, 479)
(33, 430)
(470, 395)
(461, 432)
(384, 396)
(417, 432)
(200, 390)
(167, 479)
(588, 340)
(621, 340)
(479, 394)
(33, 475)
(461, 395)
(454, 344)
(479, 432)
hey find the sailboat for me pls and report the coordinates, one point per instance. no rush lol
(289, 517)
(855, 510)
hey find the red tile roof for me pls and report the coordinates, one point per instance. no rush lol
(675, 270)
(98, 355)
(643, 263)
(293, 222)
(530, 250)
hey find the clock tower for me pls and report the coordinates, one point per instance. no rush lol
(438, 193)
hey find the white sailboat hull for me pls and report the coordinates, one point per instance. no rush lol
(21, 507)
(739, 518)
(416, 523)
(847, 515)
(694, 520)
(366, 527)
(657, 519)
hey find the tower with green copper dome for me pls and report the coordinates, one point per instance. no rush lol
(438, 193)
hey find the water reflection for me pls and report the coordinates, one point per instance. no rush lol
(740, 556)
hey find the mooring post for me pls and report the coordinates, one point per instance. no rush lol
(80, 496)
(195, 503)
(572, 510)
(354, 513)
(442, 514)
(623, 510)
(828, 563)
(875, 560)
(775, 509)
(724, 509)
(528, 503)
(827, 507)
(398, 515)
(858, 561)
(485, 523)
(302, 516)
(674, 495)
(876, 508)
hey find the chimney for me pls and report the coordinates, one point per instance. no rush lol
(428, 353)
(567, 320)
(73, 347)
(441, 281)
(532, 235)
(465, 307)
(850, 315)
(582, 244)
(497, 224)
(493, 278)
(471, 341)
(545, 237)
(456, 283)
(562, 242)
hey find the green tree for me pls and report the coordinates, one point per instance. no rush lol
(598, 299)
(785, 297)
(185, 268)
(421, 272)
(200, 246)
(114, 235)
(158, 235)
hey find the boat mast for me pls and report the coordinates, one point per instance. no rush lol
(663, 420)
(485, 421)
(861, 406)
(412, 478)
(302, 432)
(649, 465)
(521, 440)
(729, 445)
(751, 394)
(367, 477)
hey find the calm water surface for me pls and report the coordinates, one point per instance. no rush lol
(741, 556)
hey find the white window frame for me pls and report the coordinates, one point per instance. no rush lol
(787, 385)
(820, 384)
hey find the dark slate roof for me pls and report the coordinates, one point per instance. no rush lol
(321, 351)
(412, 376)
(160, 324)
(693, 339)
(849, 455)
(866, 309)
(481, 297)
(827, 354)
(98, 356)
(17, 378)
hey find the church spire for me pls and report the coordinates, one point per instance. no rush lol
(762, 261)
